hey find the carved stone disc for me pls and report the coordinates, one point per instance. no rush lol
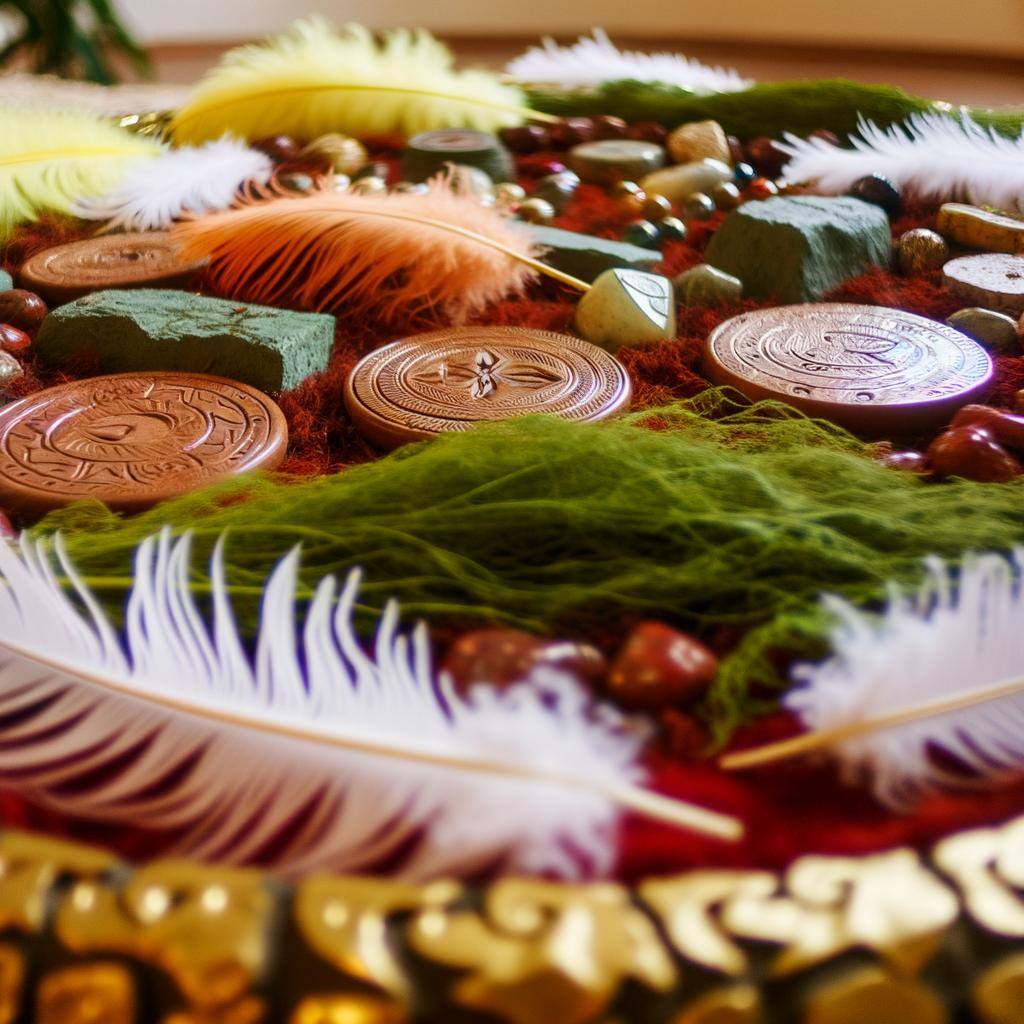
(141, 260)
(871, 369)
(133, 439)
(418, 387)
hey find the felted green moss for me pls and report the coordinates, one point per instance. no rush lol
(738, 521)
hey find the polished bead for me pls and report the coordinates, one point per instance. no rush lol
(373, 169)
(557, 189)
(571, 131)
(337, 153)
(297, 182)
(656, 206)
(704, 285)
(626, 188)
(369, 186)
(13, 339)
(642, 233)
(737, 153)
(880, 191)
(278, 147)
(658, 666)
(508, 193)
(1006, 427)
(908, 461)
(766, 156)
(921, 250)
(525, 138)
(627, 307)
(670, 229)
(698, 206)
(726, 196)
(743, 174)
(698, 140)
(23, 309)
(608, 127)
(471, 181)
(762, 188)
(647, 131)
(630, 205)
(536, 211)
(973, 453)
(503, 657)
(996, 331)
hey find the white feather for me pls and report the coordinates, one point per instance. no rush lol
(313, 754)
(594, 60)
(193, 179)
(958, 636)
(933, 157)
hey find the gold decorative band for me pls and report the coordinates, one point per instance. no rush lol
(892, 938)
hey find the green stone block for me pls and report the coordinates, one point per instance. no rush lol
(586, 256)
(6, 281)
(797, 248)
(158, 329)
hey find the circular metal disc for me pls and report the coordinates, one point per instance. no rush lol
(872, 369)
(419, 387)
(133, 439)
(145, 259)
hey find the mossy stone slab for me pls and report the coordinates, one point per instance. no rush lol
(163, 329)
(797, 248)
(587, 256)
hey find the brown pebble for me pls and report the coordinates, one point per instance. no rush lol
(502, 657)
(909, 462)
(279, 148)
(1006, 427)
(22, 309)
(973, 453)
(658, 666)
(13, 339)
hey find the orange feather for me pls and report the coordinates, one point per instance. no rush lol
(439, 256)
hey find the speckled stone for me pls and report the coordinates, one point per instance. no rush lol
(704, 285)
(796, 248)
(161, 329)
(995, 331)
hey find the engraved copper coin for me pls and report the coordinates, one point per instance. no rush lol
(419, 387)
(992, 280)
(871, 369)
(133, 439)
(142, 260)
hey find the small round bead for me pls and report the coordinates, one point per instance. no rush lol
(879, 191)
(765, 155)
(525, 138)
(278, 147)
(698, 206)
(608, 127)
(726, 196)
(671, 229)
(571, 131)
(296, 182)
(624, 187)
(656, 206)
(22, 309)
(374, 169)
(762, 188)
(630, 205)
(647, 131)
(536, 211)
(743, 174)
(642, 233)
(920, 250)
(369, 186)
(509, 192)
(13, 339)
(908, 461)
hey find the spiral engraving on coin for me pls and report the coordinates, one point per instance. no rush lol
(449, 380)
(133, 439)
(832, 357)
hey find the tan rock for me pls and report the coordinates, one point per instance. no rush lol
(979, 229)
(699, 140)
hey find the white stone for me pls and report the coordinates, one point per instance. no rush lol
(627, 307)
(682, 180)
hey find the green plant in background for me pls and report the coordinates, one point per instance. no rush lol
(70, 38)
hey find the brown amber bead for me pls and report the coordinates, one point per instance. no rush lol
(726, 196)
(571, 131)
(525, 138)
(655, 207)
(658, 666)
(973, 453)
(280, 148)
(647, 131)
(1006, 427)
(502, 657)
(766, 156)
(22, 309)
(608, 127)
(762, 188)
(13, 339)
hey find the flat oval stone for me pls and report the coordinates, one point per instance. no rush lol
(422, 386)
(143, 260)
(611, 160)
(133, 439)
(990, 280)
(994, 330)
(980, 229)
(429, 152)
(871, 369)
(676, 183)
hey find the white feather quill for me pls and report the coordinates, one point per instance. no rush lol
(933, 157)
(595, 59)
(311, 755)
(942, 670)
(193, 179)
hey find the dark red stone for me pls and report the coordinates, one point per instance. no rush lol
(762, 188)
(1006, 427)
(608, 127)
(647, 131)
(571, 131)
(13, 339)
(525, 138)
(23, 309)
(658, 666)
(973, 453)
(502, 657)
(280, 148)
(766, 156)
(736, 149)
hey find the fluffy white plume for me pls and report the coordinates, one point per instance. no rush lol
(931, 156)
(310, 755)
(595, 59)
(193, 179)
(955, 643)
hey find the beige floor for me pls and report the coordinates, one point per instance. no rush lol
(971, 80)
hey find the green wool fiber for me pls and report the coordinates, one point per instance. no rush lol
(768, 109)
(741, 520)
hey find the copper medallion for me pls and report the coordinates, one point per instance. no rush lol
(133, 439)
(871, 369)
(418, 387)
(143, 260)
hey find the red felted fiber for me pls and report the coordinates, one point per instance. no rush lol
(790, 809)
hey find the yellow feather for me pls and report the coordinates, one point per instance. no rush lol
(314, 80)
(50, 159)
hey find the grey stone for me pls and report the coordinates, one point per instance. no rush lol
(797, 248)
(161, 329)
(627, 308)
(586, 256)
(994, 330)
(6, 281)
(704, 285)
